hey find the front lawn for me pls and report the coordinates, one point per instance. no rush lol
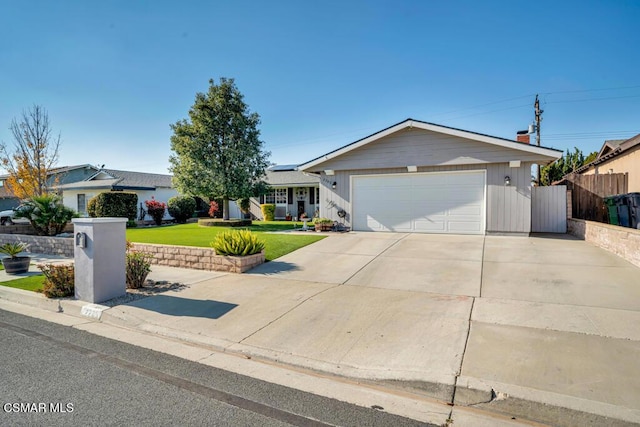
(29, 283)
(276, 245)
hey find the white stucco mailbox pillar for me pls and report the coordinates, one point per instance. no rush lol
(99, 255)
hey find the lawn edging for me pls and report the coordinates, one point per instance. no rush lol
(198, 258)
(622, 241)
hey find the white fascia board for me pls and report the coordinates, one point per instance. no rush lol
(514, 145)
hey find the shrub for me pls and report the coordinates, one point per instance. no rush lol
(113, 204)
(215, 222)
(213, 208)
(59, 280)
(138, 268)
(181, 208)
(156, 210)
(47, 214)
(268, 212)
(323, 221)
(244, 205)
(238, 243)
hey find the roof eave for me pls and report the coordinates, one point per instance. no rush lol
(552, 153)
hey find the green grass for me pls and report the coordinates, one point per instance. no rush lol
(276, 245)
(29, 283)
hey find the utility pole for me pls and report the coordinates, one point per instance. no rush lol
(538, 113)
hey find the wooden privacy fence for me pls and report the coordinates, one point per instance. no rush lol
(549, 209)
(588, 191)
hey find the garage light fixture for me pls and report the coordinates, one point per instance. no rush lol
(412, 168)
(334, 185)
(329, 172)
(507, 180)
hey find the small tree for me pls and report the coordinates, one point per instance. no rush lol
(156, 210)
(181, 208)
(213, 208)
(218, 152)
(33, 155)
(47, 214)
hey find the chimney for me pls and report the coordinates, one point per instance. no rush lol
(523, 136)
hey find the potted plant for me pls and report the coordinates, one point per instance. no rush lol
(323, 224)
(288, 216)
(15, 264)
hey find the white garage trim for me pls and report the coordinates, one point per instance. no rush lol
(430, 202)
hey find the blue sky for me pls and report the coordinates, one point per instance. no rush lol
(114, 75)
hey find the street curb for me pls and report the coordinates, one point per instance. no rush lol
(505, 399)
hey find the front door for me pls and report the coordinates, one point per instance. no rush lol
(300, 207)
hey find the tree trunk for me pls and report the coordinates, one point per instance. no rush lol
(225, 208)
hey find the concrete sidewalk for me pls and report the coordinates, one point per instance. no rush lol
(542, 328)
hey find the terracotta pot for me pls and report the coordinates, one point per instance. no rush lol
(17, 265)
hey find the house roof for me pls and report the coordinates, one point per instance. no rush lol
(411, 123)
(290, 178)
(610, 149)
(122, 180)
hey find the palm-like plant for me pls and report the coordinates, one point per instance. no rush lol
(47, 214)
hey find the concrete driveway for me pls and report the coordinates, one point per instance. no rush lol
(549, 319)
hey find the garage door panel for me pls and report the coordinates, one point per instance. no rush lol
(451, 202)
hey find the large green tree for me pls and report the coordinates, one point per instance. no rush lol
(218, 153)
(569, 162)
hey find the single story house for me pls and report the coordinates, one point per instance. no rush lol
(75, 195)
(416, 176)
(292, 191)
(617, 156)
(57, 176)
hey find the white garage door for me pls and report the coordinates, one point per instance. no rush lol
(439, 202)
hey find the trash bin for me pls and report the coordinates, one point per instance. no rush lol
(634, 207)
(612, 209)
(624, 214)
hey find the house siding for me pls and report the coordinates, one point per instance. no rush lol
(424, 148)
(508, 207)
(628, 161)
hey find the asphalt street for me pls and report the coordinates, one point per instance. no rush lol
(56, 375)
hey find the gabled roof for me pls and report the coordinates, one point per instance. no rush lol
(609, 146)
(411, 123)
(289, 178)
(121, 180)
(612, 150)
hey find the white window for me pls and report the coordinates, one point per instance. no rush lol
(277, 196)
(82, 204)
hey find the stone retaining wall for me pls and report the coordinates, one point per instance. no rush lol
(198, 258)
(173, 256)
(622, 241)
(42, 244)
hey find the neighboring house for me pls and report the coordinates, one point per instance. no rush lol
(57, 176)
(617, 156)
(146, 185)
(292, 191)
(420, 177)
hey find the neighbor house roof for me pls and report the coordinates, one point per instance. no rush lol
(411, 123)
(121, 180)
(281, 176)
(611, 149)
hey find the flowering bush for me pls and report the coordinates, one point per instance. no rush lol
(213, 208)
(59, 280)
(156, 210)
